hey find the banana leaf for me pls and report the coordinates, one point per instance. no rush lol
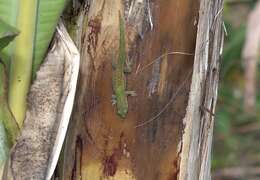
(7, 34)
(36, 21)
(8, 127)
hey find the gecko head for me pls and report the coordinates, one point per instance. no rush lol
(122, 112)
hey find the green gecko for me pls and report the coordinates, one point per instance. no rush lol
(119, 78)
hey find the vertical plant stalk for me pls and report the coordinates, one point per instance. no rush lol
(21, 65)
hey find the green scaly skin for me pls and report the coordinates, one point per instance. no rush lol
(119, 79)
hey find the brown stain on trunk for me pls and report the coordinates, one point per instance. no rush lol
(149, 151)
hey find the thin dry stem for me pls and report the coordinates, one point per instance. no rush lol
(160, 57)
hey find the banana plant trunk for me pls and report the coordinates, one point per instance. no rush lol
(174, 48)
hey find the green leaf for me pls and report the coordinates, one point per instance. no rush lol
(4, 148)
(7, 34)
(37, 21)
(48, 15)
(8, 13)
(8, 126)
(6, 117)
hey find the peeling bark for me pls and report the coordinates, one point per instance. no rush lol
(199, 119)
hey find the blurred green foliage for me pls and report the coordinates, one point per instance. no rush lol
(236, 132)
